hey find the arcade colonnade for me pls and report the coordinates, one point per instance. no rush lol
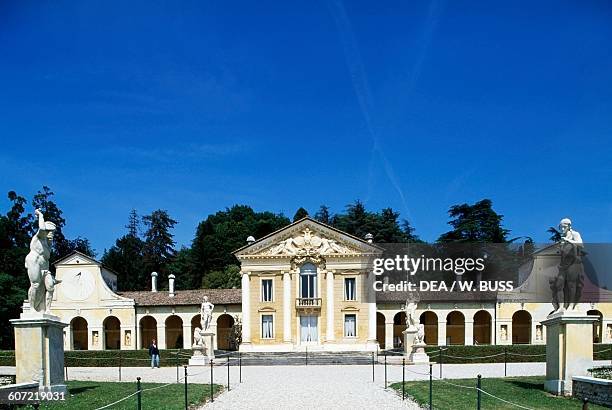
(172, 328)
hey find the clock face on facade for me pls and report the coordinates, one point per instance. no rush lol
(78, 284)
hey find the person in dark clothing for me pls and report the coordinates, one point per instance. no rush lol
(154, 353)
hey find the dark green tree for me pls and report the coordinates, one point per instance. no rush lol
(357, 221)
(182, 267)
(227, 278)
(158, 241)
(323, 215)
(220, 234)
(475, 223)
(299, 214)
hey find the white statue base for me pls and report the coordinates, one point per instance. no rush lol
(203, 354)
(569, 349)
(415, 350)
(39, 351)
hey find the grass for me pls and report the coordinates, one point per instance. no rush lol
(526, 391)
(91, 395)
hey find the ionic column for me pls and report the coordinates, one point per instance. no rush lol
(442, 332)
(469, 333)
(330, 306)
(161, 336)
(371, 309)
(389, 335)
(286, 307)
(246, 309)
(187, 335)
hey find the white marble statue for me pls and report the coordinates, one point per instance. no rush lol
(198, 340)
(419, 338)
(42, 282)
(567, 285)
(206, 314)
(411, 307)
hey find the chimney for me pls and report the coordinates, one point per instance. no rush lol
(153, 281)
(369, 237)
(171, 285)
(250, 240)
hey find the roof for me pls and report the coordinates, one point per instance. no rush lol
(185, 297)
(314, 221)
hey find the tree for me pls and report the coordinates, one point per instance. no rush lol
(182, 267)
(220, 234)
(300, 214)
(133, 225)
(227, 278)
(555, 235)
(82, 245)
(475, 223)
(159, 242)
(323, 215)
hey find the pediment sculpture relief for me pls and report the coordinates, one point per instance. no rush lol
(309, 243)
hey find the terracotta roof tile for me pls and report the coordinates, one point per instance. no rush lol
(185, 297)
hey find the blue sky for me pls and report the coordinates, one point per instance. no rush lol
(195, 106)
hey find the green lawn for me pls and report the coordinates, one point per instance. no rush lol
(91, 395)
(526, 391)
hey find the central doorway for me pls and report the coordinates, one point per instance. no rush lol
(309, 332)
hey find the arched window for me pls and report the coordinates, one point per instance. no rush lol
(455, 328)
(521, 327)
(482, 328)
(430, 320)
(78, 328)
(308, 281)
(112, 333)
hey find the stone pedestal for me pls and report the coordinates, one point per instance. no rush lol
(569, 349)
(39, 351)
(202, 355)
(414, 350)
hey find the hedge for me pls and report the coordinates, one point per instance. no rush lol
(111, 358)
(451, 354)
(500, 353)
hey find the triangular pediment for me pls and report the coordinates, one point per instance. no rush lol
(77, 258)
(307, 238)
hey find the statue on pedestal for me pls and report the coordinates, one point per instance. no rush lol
(411, 307)
(42, 282)
(206, 314)
(567, 285)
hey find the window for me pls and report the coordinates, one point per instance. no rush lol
(267, 326)
(266, 290)
(308, 281)
(349, 289)
(350, 325)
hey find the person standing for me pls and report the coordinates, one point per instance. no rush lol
(154, 353)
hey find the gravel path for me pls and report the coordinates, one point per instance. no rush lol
(295, 387)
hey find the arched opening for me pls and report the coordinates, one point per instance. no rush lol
(521, 327)
(112, 333)
(195, 322)
(455, 328)
(224, 332)
(79, 332)
(399, 325)
(430, 321)
(482, 328)
(597, 326)
(148, 331)
(380, 329)
(174, 332)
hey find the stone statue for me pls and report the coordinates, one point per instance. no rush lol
(567, 285)
(206, 314)
(42, 282)
(419, 338)
(197, 337)
(411, 307)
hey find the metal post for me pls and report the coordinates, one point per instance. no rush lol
(478, 384)
(119, 365)
(430, 386)
(403, 378)
(186, 401)
(176, 361)
(505, 361)
(372, 367)
(585, 404)
(306, 355)
(212, 398)
(385, 370)
(138, 398)
(228, 373)
(239, 368)
(440, 360)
